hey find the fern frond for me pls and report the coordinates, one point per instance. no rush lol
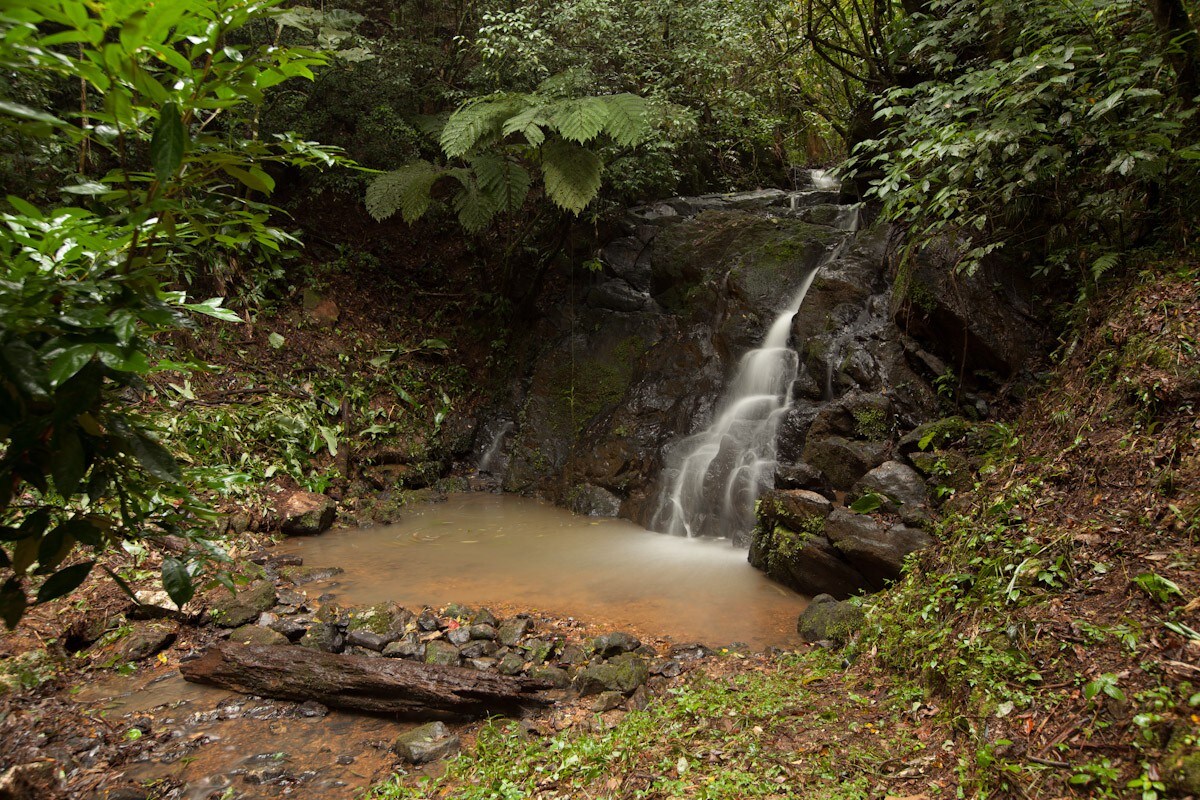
(475, 206)
(572, 174)
(405, 190)
(628, 119)
(528, 123)
(475, 122)
(506, 182)
(580, 120)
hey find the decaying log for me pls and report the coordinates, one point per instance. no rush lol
(391, 686)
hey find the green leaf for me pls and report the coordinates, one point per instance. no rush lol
(12, 602)
(406, 190)
(867, 503)
(1160, 588)
(572, 174)
(506, 182)
(275, 340)
(153, 457)
(177, 580)
(628, 120)
(69, 362)
(64, 581)
(330, 435)
(168, 143)
(212, 308)
(581, 120)
(253, 178)
(475, 207)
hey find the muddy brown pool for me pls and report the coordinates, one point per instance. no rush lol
(511, 552)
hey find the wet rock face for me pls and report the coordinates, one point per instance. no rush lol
(640, 358)
(306, 513)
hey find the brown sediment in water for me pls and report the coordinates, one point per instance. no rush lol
(513, 553)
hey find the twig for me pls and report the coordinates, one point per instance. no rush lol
(1049, 762)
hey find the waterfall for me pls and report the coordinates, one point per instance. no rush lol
(713, 478)
(489, 455)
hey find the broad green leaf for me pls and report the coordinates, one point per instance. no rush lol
(177, 580)
(254, 178)
(153, 457)
(64, 581)
(505, 182)
(867, 503)
(168, 143)
(580, 120)
(69, 362)
(212, 308)
(572, 174)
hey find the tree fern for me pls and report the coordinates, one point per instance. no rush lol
(406, 190)
(571, 173)
(528, 123)
(627, 121)
(507, 182)
(581, 120)
(474, 205)
(475, 122)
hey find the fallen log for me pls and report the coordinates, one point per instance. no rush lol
(404, 689)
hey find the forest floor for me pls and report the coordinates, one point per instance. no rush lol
(1048, 647)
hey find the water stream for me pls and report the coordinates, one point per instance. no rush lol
(513, 553)
(712, 478)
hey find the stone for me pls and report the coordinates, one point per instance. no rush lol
(573, 654)
(156, 604)
(368, 640)
(624, 673)
(427, 743)
(481, 664)
(145, 640)
(427, 620)
(483, 631)
(944, 468)
(511, 632)
(484, 616)
(324, 636)
(937, 433)
(479, 648)
(798, 509)
(442, 652)
(843, 461)
(899, 483)
(692, 651)
(302, 575)
(668, 668)
(255, 634)
(410, 646)
(511, 664)
(611, 644)
(458, 611)
(875, 551)
(798, 476)
(538, 650)
(554, 676)
(607, 701)
(593, 501)
(243, 607)
(458, 636)
(828, 620)
(387, 620)
(289, 629)
(306, 513)
(805, 561)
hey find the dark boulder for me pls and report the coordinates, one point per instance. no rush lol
(828, 620)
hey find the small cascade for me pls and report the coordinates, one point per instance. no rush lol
(489, 456)
(713, 478)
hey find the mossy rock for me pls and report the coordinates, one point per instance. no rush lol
(936, 434)
(1181, 766)
(827, 620)
(624, 673)
(234, 611)
(256, 634)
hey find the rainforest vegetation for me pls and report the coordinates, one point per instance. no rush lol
(250, 248)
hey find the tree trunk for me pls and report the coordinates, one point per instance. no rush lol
(389, 686)
(1181, 43)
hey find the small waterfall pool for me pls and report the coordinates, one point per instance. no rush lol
(515, 554)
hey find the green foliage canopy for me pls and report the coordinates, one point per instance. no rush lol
(84, 277)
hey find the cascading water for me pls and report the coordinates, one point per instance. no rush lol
(489, 455)
(713, 478)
